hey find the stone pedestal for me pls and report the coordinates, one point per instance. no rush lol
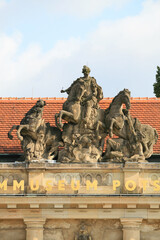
(131, 228)
(34, 230)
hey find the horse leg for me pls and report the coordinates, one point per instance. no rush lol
(148, 150)
(19, 131)
(56, 120)
(64, 114)
(108, 149)
(97, 128)
(99, 125)
(140, 149)
(60, 119)
(111, 127)
(9, 133)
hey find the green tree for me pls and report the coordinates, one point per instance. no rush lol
(156, 85)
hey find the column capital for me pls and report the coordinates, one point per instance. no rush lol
(34, 228)
(34, 222)
(130, 223)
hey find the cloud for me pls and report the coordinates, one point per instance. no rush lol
(138, 35)
(76, 8)
(2, 3)
(121, 53)
(20, 72)
(83, 8)
(128, 49)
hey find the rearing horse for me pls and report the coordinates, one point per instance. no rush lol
(114, 116)
(71, 111)
(31, 122)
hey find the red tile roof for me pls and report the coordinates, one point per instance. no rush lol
(12, 110)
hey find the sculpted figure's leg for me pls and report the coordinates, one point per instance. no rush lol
(108, 150)
(88, 111)
(111, 146)
(76, 110)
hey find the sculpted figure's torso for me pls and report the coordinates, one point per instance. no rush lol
(83, 92)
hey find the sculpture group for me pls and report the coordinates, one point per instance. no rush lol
(82, 128)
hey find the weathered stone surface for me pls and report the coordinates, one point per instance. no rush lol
(38, 139)
(83, 233)
(55, 234)
(110, 229)
(12, 229)
(101, 178)
(136, 140)
(85, 229)
(83, 140)
(85, 129)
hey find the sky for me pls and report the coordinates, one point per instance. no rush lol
(45, 43)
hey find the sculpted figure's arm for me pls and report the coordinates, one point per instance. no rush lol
(69, 89)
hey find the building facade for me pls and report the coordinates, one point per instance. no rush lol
(59, 201)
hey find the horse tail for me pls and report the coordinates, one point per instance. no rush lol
(10, 136)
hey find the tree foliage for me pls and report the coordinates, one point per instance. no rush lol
(156, 85)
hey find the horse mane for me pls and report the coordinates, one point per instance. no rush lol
(120, 93)
(35, 109)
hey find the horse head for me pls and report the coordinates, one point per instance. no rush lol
(125, 98)
(40, 103)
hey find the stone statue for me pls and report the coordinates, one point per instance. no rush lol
(31, 121)
(83, 92)
(86, 126)
(136, 140)
(81, 135)
(83, 234)
(38, 139)
(114, 116)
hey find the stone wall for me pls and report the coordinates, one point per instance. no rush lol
(67, 229)
(98, 229)
(108, 214)
(12, 229)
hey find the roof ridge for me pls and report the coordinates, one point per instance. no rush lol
(63, 98)
(32, 98)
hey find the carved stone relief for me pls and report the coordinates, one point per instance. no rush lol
(38, 139)
(103, 179)
(83, 233)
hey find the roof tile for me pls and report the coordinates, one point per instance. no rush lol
(12, 110)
